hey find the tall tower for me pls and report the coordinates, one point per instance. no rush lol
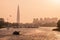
(18, 16)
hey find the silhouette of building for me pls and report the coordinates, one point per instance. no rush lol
(35, 20)
(45, 21)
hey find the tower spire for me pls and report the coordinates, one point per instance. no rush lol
(18, 16)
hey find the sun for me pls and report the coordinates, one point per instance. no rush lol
(56, 1)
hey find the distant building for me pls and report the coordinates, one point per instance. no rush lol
(35, 20)
(45, 21)
(54, 20)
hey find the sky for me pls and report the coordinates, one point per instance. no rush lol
(29, 9)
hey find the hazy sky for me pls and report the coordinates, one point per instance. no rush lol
(29, 9)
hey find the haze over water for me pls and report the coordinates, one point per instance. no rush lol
(30, 32)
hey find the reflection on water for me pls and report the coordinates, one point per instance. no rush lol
(42, 33)
(30, 37)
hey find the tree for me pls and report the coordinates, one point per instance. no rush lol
(1, 22)
(58, 24)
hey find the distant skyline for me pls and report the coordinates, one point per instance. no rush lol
(29, 9)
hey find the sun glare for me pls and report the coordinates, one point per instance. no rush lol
(56, 1)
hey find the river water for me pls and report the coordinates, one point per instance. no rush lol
(6, 34)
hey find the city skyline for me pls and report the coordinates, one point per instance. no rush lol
(29, 9)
